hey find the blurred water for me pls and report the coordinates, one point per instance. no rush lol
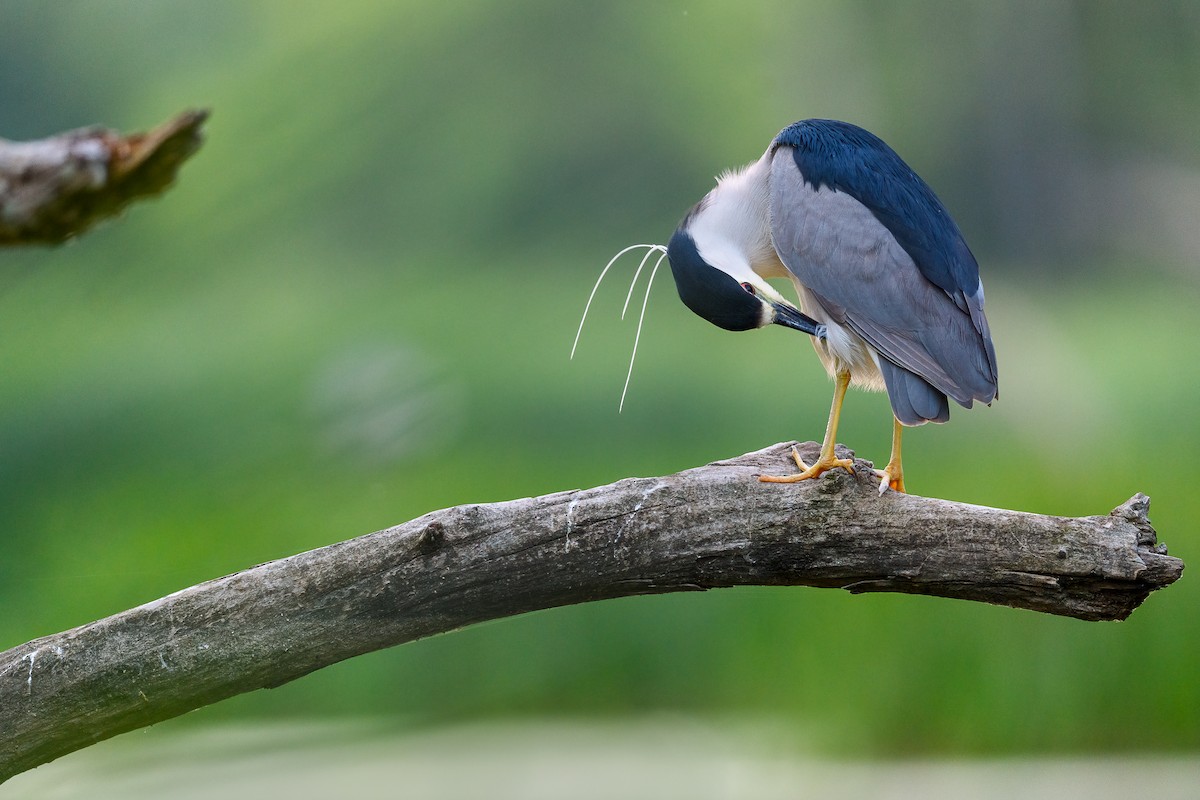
(642, 758)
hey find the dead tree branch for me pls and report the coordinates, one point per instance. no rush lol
(710, 527)
(56, 188)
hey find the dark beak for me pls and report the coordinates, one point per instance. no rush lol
(792, 318)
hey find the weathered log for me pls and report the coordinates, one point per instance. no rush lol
(55, 188)
(714, 526)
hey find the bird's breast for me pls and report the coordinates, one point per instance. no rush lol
(842, 348)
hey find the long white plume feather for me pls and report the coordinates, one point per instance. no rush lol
(651, 249)
(603, 272)
(637, 275)
(641, 318)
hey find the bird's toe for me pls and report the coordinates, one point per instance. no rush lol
(890, 478)
(822, 465)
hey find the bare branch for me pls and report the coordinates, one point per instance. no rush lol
(710, 527)
(56, 188)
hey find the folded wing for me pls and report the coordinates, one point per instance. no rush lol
(877, 250)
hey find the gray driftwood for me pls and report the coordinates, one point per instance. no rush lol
(709, 527)
(53, 189)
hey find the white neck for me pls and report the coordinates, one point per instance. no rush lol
(732, 230)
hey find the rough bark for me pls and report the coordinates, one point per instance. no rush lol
(714, 526)
(53, 189)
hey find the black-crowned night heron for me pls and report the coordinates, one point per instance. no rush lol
(888, 289)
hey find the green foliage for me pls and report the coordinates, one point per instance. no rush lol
(357, 306)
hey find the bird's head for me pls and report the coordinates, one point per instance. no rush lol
(715, 281)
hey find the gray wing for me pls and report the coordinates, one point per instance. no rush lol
(855, 267)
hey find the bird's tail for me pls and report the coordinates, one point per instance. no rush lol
(914, 400)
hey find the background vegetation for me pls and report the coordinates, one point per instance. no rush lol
(358, 303)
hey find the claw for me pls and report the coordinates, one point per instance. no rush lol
(890, 478)
(822, 465)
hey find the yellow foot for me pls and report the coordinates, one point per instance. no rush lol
(822, 465)
(890, 477)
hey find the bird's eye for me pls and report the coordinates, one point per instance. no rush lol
(749, 288)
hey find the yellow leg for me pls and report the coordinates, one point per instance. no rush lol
(827, 460)
(893, 474)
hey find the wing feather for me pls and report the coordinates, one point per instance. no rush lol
(859, 269)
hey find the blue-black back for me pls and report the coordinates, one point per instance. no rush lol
(848, 159)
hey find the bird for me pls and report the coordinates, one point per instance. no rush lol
(888, 289)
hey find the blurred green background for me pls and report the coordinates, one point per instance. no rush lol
(356, 306)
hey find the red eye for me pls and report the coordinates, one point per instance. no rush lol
(748, 288)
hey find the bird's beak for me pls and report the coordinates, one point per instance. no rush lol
(792, 318)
